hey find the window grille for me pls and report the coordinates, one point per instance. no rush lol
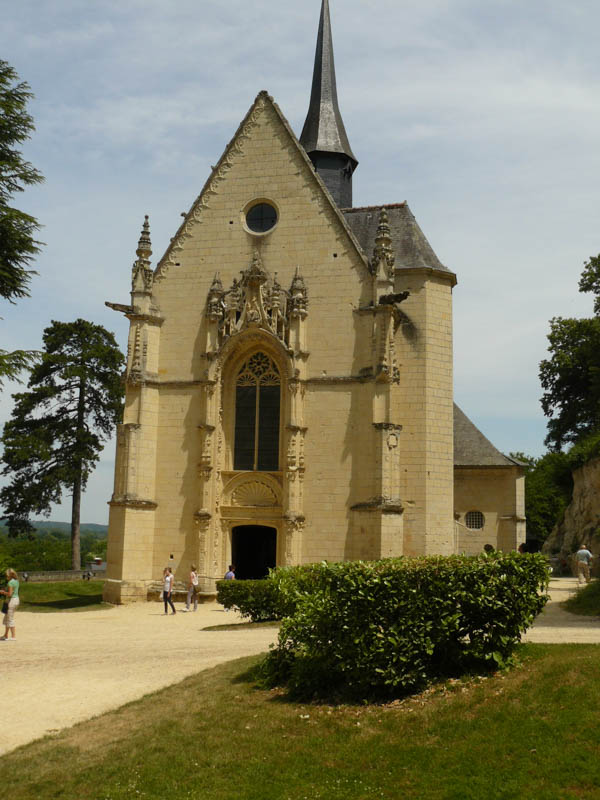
(474, 520)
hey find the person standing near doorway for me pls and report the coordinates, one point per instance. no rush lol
(168, 580)
(230, 574)
(192, 589)
(583, 558)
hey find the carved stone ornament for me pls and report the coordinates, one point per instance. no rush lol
(134, 373)
(141, 275)
(235, 150)
(254, 493)
(382, 263)
(256, 301)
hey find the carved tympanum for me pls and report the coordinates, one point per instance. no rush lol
(254, 493)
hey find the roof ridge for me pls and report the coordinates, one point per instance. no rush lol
(374, 208)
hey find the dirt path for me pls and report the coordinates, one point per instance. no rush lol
(556, 626)
(68, 667)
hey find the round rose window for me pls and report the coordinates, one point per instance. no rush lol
(261, 218)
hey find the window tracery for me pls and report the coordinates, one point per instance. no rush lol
(257, 411)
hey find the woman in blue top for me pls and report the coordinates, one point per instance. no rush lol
(12, 593)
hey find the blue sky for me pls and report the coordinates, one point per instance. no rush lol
(485, 117)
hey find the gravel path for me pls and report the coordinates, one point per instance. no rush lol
(67, 667)
(556, 626)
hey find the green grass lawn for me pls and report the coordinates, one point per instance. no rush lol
(586, 601)
(531, 733)
(61, 596)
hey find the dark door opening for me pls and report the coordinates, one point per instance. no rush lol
(253, 551)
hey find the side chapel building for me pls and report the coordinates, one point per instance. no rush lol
(289, 376)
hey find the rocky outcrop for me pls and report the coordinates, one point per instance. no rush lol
(581, 520)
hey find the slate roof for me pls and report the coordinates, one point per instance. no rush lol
(410, 245)
(472, 449)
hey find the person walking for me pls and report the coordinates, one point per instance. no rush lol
(192, 589)
(168, 579)
(583, 558)
(12, 593)
(230, 574)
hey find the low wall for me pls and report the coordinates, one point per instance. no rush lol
(178, 595)
(60, 575)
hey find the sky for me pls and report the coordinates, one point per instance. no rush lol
(484, 117)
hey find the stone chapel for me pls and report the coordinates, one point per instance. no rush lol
(289, 391)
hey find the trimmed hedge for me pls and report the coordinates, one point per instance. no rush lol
(382, 629)
(257, 600)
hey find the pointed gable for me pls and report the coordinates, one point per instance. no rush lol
(234, 151)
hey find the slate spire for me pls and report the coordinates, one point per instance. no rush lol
(324, 136)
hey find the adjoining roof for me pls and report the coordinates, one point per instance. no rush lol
(324, 129)
(410, 245)
(472, 449)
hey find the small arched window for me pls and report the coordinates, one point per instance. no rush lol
(257, 401)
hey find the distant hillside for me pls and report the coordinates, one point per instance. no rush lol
(91, 528)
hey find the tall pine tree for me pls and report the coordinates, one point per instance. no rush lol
(18, 246)
(58, 427)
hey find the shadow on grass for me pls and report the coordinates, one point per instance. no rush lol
(73, 603)
(586, 602)
(253, 675)
(259, 678)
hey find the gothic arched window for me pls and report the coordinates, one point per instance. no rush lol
(257, 400)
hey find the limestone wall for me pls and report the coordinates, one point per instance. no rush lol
(366, 435)
(498, 494)
(425, 409)
(581, 520)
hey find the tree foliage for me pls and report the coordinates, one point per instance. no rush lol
(50, 552)
(18, 245)
(17, 229)
(570, 377)
(56, 433)
(590, 281)
(548, 491)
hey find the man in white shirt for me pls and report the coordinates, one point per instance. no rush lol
(583, 558)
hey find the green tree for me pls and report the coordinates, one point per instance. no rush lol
(571, 380)
(570, 377)
(32, 553)
(56, 433)
(590, 281)
(548, 491)
(18, 246)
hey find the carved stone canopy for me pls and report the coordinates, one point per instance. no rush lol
(256, 300)
(382, 262)
(141, 274)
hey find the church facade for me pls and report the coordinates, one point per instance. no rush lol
(289, 389)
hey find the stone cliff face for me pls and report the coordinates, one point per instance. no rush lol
(581, 521)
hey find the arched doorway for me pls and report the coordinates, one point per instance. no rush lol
(253, 550)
